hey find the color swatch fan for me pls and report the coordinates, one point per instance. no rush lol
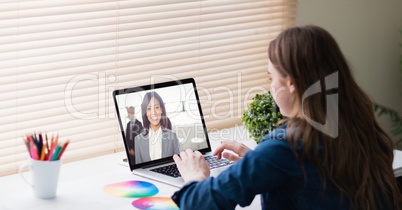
(131, 189)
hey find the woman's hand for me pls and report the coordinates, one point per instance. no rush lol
(192, 165)
(236, 147)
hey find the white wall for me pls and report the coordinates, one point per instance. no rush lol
(368, 34)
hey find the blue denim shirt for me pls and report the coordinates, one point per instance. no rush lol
(271, 170)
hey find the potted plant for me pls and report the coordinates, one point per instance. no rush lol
(261, 116)
(396, 121)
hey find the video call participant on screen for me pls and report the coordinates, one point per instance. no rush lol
(156, 140)
(134, 127)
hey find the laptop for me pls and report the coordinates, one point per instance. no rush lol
(158, 121)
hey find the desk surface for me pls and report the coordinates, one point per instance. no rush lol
(81, 183)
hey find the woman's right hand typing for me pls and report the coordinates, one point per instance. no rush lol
(238, 148)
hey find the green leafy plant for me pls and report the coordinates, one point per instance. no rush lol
(396, 120)
(261, 116)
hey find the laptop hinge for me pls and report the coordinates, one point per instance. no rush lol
(157, 164)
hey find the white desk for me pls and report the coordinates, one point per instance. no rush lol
(81, 183)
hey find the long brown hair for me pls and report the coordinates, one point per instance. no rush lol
(358, 154)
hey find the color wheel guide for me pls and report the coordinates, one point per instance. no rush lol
(146, 195)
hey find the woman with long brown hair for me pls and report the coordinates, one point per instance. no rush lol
(329, 154)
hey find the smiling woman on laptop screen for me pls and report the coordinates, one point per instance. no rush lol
(156, 140)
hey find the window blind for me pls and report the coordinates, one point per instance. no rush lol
(61, 60)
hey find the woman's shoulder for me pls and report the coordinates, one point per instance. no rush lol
(143, 134)
(278, 133)
(276, 141)
(276, 150)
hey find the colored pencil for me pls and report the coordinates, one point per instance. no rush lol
(52, 148)
(34, 152)
(63, 149)
(47, 143)
(43, 151)
(56, 153)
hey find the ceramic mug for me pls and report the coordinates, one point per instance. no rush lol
(45, 176)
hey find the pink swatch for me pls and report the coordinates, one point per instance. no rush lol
(155, 203)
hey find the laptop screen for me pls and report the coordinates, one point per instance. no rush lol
(160, 120)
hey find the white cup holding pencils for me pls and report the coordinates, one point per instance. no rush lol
(45, 176)
(44, 164)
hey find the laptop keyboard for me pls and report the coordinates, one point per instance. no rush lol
(171, 170)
